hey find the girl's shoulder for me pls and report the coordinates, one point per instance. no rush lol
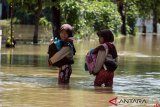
(104, 46)
(99, 48)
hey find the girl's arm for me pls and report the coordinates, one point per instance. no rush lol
(60, 54)
(101, 56)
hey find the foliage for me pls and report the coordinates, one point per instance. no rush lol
(103, 15)
(149, 9)
(5, 24)
(70, 10)
(46, 25)
(89, 16)
(23, 16)
(44, 22)
(132, 15)
(25, 10)
(146, 7)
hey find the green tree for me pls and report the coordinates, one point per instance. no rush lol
(129, 13)
(56, 16)
(71, 12)
(88, 16)
(149, 8)
(31, 6)
(121, 4)
(131, 17)
(37, 12)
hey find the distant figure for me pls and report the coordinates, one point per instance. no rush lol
(61, 53)
(10, 42)
(105, 63)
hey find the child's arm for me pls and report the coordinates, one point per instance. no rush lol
(60, 54)
(99, 61)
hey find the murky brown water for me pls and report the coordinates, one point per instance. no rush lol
(27, 81)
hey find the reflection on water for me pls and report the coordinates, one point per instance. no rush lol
(27, 81)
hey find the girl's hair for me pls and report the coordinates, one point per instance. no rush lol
(106, 34)
(68, 28)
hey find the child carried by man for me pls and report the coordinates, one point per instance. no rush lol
(61, 53)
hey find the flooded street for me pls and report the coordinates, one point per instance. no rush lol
(27, 81)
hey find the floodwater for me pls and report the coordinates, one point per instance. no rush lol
(27, 81)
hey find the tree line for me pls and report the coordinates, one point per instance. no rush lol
(86, 16)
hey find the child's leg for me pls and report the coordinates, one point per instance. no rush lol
(64, 74)
(104, 77)
(100, 78)
(109, 79)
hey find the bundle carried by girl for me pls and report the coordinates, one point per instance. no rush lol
(55, 46)
(111, 55)
(90, 61)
